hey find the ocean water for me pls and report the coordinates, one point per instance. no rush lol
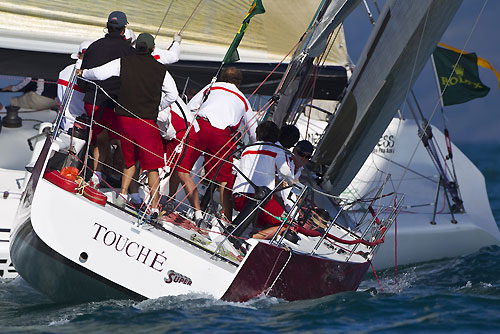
(458, 295)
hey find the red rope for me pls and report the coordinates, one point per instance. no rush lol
(282, 60)
(395, 245)
(381, 288)
(374, 214)
(313, 233)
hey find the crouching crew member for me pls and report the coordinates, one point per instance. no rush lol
(261, 164)
(219, 117)
(143, 80)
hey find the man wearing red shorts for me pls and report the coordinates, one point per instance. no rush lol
(174, 122)
(143, 80)
(112, 46)
(260, 164)
(219, 117)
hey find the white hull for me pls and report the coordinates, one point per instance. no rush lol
(417, 239)
(71, 248)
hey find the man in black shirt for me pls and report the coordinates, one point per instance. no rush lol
(112, 46)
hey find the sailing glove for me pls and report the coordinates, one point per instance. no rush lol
(177, 37)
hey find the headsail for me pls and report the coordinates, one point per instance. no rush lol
(403, 39)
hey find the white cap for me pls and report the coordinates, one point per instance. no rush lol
(83, 46)
(129, 35)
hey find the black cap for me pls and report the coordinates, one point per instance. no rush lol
(145, 41)
(305, 146)
(117, 19)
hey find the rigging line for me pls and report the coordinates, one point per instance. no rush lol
(190, 17)
(164, 16)
(115, 102)
(274, 69)
(332, 43)
(111, 130)
(370, 16)
(409, 88)
(320, 62)
(248, 126)
(405, 167)
(454, 66)
(432, 139)
(281, 271)
(376, 6)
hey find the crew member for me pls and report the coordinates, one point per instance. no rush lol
(38, 94)
(75, 107)
(174, 122)
(261, 164)
(169, 56)
(112, 46)
(143, 80)
(219, 117)
(288, 136)
(301, 155)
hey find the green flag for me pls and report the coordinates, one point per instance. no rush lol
(464, 85)
(232, 54)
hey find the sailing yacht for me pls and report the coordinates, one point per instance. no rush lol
(102, 253)
(72, 244)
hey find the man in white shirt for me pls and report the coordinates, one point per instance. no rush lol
(219, 118)
(75, 107)
(169, 56)
(261, 164)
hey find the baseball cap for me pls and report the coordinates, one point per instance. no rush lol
(305, 146)
(117, 19)
(83, 46)
(145, 41)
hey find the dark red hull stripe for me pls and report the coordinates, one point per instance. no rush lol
(304, 276)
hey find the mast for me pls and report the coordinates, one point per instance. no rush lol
(313, 43)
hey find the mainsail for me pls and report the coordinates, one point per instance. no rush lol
(59, 26)
(405, 35)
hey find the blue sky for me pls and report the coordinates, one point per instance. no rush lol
(477, 120)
